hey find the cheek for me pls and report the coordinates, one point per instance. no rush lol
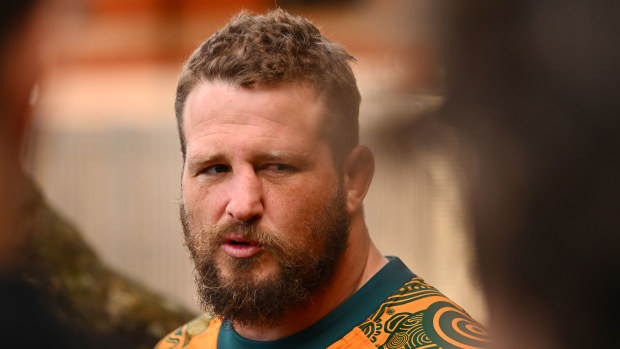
(296, 206)
(200, 204)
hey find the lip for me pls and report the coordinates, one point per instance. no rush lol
(238, 247)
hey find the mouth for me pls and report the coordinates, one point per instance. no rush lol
(239, 247)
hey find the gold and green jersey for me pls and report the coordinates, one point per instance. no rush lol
(394, 309)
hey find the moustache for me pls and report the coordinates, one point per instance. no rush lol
(210, 238)
(248, 232)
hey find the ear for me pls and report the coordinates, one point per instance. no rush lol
(359, 167)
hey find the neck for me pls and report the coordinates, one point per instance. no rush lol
(360, 261)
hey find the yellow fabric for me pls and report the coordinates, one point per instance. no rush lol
(419, 316)
(353, 339)
(199, 333)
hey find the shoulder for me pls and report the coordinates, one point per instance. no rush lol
(199, 333)
(417, 314)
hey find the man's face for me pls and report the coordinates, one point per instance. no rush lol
(264, 209)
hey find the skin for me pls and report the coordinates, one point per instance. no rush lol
(257, 155)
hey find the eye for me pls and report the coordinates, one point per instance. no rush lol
(215, 169)
(279, 167)
(278, 171)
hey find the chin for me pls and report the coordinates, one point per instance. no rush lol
(257, 268)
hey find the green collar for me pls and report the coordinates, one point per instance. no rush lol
(336, 324)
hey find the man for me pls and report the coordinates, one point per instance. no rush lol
(273, 182)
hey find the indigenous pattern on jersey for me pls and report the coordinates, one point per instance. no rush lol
(419, 316)
(203, 325)
(394, 309)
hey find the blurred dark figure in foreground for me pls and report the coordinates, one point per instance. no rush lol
(54, 291)
(534, 89)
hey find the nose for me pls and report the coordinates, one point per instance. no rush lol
(245, 202)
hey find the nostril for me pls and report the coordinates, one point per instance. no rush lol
(244, 210)
(245, 201)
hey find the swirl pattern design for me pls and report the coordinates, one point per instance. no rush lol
(419, 316)
(182, 336)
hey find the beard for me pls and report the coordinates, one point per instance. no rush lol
(303, 267)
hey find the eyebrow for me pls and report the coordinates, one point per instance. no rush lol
(198, 161)
(276, 155)
(283, 156)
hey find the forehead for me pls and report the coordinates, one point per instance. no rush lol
(285, 112)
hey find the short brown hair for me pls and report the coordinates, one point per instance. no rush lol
(253, 51)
